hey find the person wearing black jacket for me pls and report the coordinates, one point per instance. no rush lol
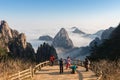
(61, 65)
(87, 64)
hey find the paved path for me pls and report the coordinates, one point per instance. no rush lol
(83, 75)
(52, 73)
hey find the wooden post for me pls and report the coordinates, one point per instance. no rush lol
(39, 67)
(34, 70)
(46, 63)
(31, 71)
(19, 75)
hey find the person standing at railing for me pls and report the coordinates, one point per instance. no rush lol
(68, 62)
(87, 64)
(52, 58)
(61, 65)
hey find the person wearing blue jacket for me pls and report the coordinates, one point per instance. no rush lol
(73, 67)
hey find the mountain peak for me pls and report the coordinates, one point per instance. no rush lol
(76, 30)
(62, 40)
(46, 38)
(74, 27)
(5, 30)
(63, 31)
(4, 24)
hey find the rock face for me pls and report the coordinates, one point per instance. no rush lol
(46, 38)
(62, 40)
(14, 42)
(5, 31)
(22, 40)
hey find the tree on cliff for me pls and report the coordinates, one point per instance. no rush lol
(44, 52)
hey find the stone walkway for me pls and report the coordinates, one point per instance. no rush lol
(52, 73)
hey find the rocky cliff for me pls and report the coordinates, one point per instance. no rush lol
(15, 42)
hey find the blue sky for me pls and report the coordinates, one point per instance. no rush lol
(88, 15)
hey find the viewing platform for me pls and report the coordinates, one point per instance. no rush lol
(52, 73)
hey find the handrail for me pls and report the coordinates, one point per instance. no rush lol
(28, 72)
(77, 62)
(39, 66)
(22, 75)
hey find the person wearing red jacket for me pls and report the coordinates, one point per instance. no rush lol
(52, 58)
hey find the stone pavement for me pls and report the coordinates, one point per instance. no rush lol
(52, 73)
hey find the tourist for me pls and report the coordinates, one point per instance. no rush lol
(52, 58)
(73, 68)
(87, 64)
(61, 65)
(68, 62)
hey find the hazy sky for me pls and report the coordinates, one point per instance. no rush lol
(44, 15)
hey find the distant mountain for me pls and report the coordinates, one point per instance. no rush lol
(76, 30)
(76, 53)
(82, 52)
(46, 38)
(77, 38)
(95, 42)
(99, 33)
(106, 33)
(93, 36)
(103, 35)
(62, 40)
(109, 49)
